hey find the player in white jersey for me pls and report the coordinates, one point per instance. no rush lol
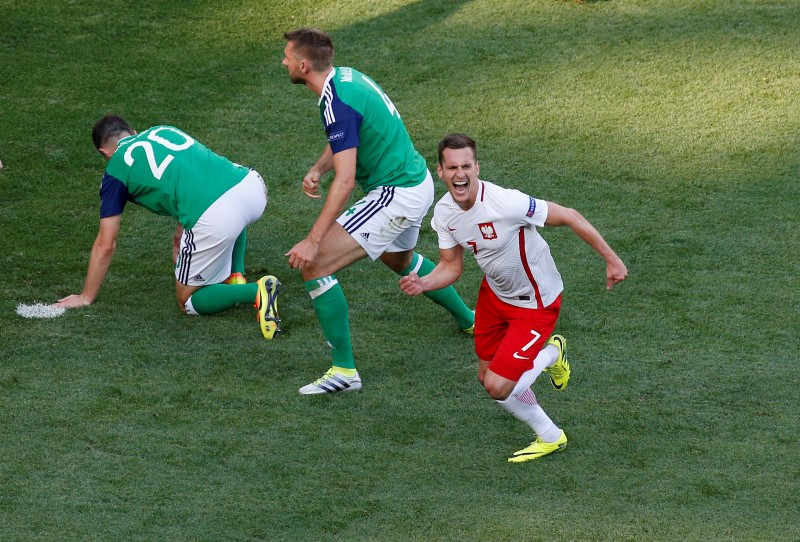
(520, 296)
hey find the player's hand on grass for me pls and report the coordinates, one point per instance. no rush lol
(73, 301)
(311, 184)
(411, 284)
(302, 254)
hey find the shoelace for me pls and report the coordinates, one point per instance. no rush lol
(329, 373)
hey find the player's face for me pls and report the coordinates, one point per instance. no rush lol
(459, 170)
(293, 65)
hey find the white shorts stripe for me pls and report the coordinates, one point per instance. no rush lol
(187, 249)
(418, 263)
(363, 215)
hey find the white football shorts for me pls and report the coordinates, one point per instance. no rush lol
(206, 250)
(388, 218)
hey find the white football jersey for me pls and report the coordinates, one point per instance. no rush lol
(500, 230)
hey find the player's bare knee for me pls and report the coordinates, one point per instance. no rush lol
(181, 302)
(482, 367)
(498, 387)
(310, 273)
(397, 261)
(496, 392)
(182, 295)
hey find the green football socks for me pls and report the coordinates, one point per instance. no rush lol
(216, 298)
(332, 312)
(237, 258)
(446, 297)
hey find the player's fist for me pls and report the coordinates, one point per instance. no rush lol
(616, 272)
(411, 284)
(311, 184)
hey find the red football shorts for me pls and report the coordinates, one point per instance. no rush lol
(510, 337)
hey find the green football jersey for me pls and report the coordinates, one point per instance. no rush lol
(357, 113)
(168, 172)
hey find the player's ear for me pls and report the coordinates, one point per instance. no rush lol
(477, 168)
(106, 152)
(439, 171)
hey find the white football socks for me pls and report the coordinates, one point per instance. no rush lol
(546, 357)
(524, 408)
(190, 308)
(522, 403)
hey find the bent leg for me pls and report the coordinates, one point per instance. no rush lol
(183, 292)
(336, 251)
(215, 298)
(523, 405)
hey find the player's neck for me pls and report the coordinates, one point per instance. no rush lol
(316, 81)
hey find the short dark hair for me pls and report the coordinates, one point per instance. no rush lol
(109, 127)
(313, 45)
(457, 141)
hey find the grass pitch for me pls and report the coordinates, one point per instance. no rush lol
(671, 124)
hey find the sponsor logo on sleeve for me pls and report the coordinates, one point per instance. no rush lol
(531, 207)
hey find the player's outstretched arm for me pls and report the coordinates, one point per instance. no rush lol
(557, 215)
(99, 261)
(446, 272)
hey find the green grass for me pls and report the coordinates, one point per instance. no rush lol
(671, 124)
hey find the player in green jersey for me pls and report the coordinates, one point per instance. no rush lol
(369, 146)
(168, 172)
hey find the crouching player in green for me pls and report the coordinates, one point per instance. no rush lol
(168, 172)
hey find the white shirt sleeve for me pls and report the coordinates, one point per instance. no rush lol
(525, 208)
(537, 211)
(446, 239)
